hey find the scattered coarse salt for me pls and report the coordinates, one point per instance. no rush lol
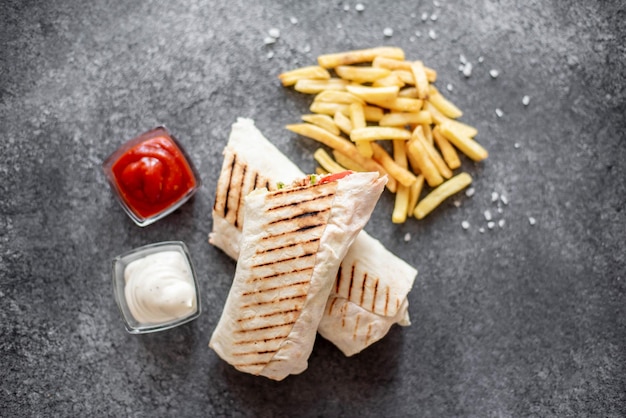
(306, 48)
(465, 225)
(274, 33)
(481, 230)
(457, 203)
(418, 34)
(501, 223)
(434, 17)
(346, 7)
(517, 145)
(504, 199)
(487, 215)
(449, 87)
(499, 112)
(480, 59)
(462, 59)
(491, 224)
(293, 20)
(407, 237)
(470, 192)
(359, 7)
(494, 73)
(525, 100)
(461, 68)
(268, 40)
(467, 69)
(388, 32)
(436, 3)
(270, 55)
(424, 16)
(532, 220)
(494, 196)
(432, 34)
(500, 209)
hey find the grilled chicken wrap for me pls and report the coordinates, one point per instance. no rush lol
(370, 294)
(292, 243)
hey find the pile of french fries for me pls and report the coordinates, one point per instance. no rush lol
(371, 95)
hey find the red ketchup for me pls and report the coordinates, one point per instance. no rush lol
(151, 174)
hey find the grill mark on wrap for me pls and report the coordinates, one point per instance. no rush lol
(332, 305)
(369, 333)
(363, 288)
(386, 300)
(292, 204)
(241, 331)
(356, 327)
(284, 260)
(273, 276)
(338, 280)
(271, 289)
(223, 189)
(351, 282)
(293, 232)
(262, 340)
(272, 302)
(301, 216)
(290, 245)
(374, 297)
(242, 194)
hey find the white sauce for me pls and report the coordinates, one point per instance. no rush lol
(159, 288)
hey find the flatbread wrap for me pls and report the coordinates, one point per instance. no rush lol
(292, 243)
(373, 282)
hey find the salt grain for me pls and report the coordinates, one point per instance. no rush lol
(499, 209)
(465, 225)
(388, 32)
(467, 69)
(274, 33)
(532, 220)
(469, 192)
(499, 112)
(494, 196)
(504, 199)
(487, 215)
(434, 17)
(359, 7)
(293, 20)
(346, 7)
(457, 203)
(494, 73)
(481, 230)
(525, 100)
(449, 87)
(516, 145)
(490, 225)
(480, 59)
(268, 40)
(462, 59)
(424, 17)
(418, 34)
(501, 223)
(407, 237)
(270, 55)
(432, 34)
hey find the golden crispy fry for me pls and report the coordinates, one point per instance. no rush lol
(404, 176)
(401, 205)
(444, 105)
(342, 145)
(421, 80)
(440, 118)
(373, 113)
(395, 64)
(315, 86)
(343, 122)
(373, 133)
(361, 74)
(416, 149)
(434, 156)
(399, 153)
(347, 162)
(448, 152)
(329, 108)
(357, 118)
(428, 133)
(326, 161)
(406, 76)
(401, 104)
(323, 121)
(464, 143)
(409, 92)
(359, 56)
(414, 193)
(337, 96)
(313, 72)
(374, 94)
(445, 190)
(403, 118)
(391, 80)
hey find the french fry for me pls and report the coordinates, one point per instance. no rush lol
(444, 105)
(329, 108)
(401, 104)
(428, 133)
(361, 74)
(373, 133)
(374, 94)
(347, 162)
(421, 79)
(438, 195)
(309, 86)
(401, 205)
(404, 176)
(405, 118)
(440, 118)
(414, 194)
(337, 96)
(395, 64)
(432, 153)
(448, 152)
(323, 121)
(464, 143)
(399, 153)
(373, 113)
(359, 56)
(343, 122)
(409, 92)
(405, 76)
(391, 80)
(326, 161)
(416, 149)
(357, 118)
(314, 72)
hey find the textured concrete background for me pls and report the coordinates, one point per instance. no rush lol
(518, 321)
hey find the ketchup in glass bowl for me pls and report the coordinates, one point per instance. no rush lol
(151, 176)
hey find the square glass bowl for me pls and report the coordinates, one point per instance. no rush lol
(151, 176)
(121, 262)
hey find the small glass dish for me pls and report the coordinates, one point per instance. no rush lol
(119, 265)
(151, 176)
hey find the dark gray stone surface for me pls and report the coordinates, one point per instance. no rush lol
(517, 321)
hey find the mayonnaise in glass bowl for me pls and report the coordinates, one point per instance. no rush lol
(155, 287)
